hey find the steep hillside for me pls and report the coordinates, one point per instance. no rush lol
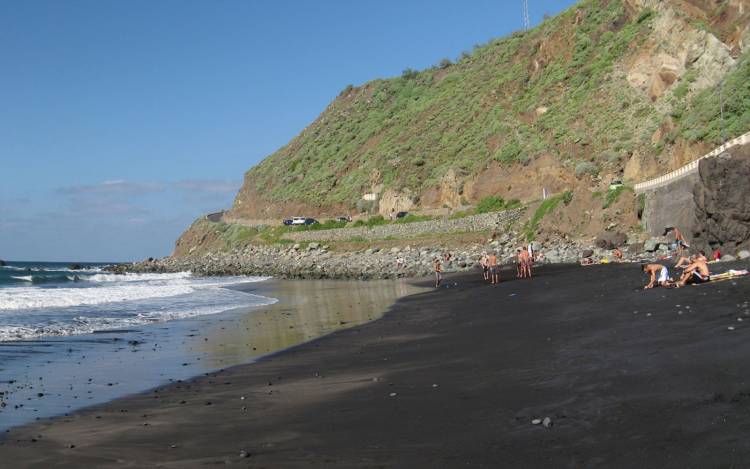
(607, 89)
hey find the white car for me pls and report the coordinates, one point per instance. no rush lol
(298, 220)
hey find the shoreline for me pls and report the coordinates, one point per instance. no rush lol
(54, 376)
(457, 376)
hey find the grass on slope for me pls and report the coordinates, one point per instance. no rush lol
(414, 128)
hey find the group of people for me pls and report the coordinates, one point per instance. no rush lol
(491, 266)
(694, 271)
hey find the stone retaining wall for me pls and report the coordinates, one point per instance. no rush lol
(483, 222)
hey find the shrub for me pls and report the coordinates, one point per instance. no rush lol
(364, 206)
(491, 203)
(545, 207)
(512, 203)
(409, 74)
(641, 204)
(376, 220)
(567, 197)
(445, 63)
(614, 194)
(586, 168)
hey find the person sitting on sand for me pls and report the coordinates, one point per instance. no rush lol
(494, 270)
(695, 273)
(438, 272)
(683, 262)
(485, 267)
(617, 254)
(659, 276)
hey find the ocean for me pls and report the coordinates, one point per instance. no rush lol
(71, 339)
(44, 299)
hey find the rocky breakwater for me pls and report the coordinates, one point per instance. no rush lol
(316, 261)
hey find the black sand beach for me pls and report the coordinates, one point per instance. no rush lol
(454, 378)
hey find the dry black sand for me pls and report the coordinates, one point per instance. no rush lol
(454, 378)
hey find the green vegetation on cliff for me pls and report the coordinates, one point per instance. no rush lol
(585, 87)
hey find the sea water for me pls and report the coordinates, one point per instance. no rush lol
(50, 299)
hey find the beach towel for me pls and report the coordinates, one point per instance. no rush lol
(729, 274)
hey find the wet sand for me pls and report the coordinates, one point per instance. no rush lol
(456, 377)
(58, 375)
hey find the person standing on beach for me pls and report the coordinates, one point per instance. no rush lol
(494, 271)
(485, 267)
(679, 239)
(524, 261)
(438, 272)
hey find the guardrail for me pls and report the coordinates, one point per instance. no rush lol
(689, 168)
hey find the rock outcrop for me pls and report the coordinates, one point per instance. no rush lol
(722, 199)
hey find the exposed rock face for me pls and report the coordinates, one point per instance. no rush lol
(674, 48)
(722, 200)
(710, 206)
(392, 202)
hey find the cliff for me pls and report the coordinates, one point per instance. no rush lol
(609, 89)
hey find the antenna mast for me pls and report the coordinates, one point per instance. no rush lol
(526, 22)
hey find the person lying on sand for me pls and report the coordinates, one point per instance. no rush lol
(695, 273)
(659, 276)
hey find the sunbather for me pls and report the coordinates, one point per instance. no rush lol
(695, 273)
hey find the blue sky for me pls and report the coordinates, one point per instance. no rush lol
(121, 122)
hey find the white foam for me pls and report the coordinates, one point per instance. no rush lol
(138, 287)
(31, 312)
(130, 277)
(25, 278)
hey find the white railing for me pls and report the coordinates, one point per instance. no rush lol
(690, 167)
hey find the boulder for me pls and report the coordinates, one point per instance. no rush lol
(587, 253)
(610, 240)
(75, 267)
(728, 258)
(744, 254)
(652, 244)
(2, 263)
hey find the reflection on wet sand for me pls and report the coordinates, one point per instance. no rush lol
(42, 378)
(306, 309)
